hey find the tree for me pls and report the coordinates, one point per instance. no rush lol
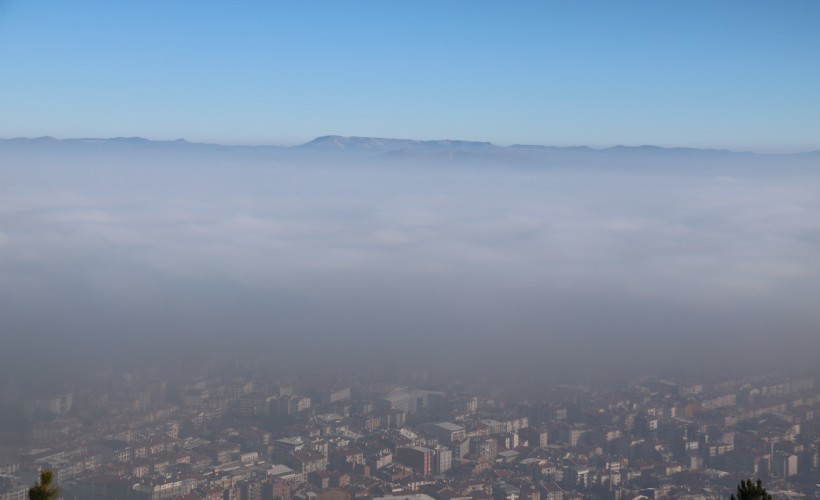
(42, 489)
(747, 490)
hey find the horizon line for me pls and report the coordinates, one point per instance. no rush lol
(327, 136)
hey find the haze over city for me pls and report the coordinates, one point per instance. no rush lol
(470, 198)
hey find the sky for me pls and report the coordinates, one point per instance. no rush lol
(741, 75)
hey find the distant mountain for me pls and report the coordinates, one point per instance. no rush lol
(126, 145)
(337, 142)
(356, 149)
(810, 154)
(536, 147)
(671, 151)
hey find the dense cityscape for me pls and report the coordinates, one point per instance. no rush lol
(241, 434)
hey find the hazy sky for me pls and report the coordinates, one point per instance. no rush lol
(740, 75)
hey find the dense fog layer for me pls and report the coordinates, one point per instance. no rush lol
(603, 263)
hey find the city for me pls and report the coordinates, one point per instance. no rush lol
(240, 435)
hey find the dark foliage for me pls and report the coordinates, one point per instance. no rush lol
(748, 490)
(42, 489)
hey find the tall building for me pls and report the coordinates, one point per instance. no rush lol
(443, 460)
(445, 432)
(484, 447)
(418, 458)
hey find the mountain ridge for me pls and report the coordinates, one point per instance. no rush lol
(366, 144)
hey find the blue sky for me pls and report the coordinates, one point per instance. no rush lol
(740, 75)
